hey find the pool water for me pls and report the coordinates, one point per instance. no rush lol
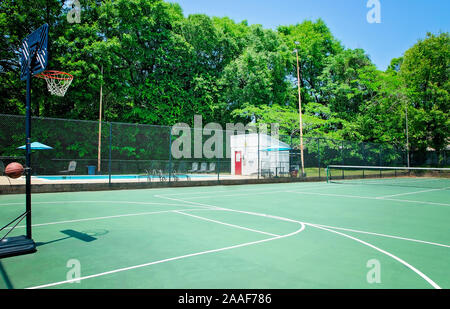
(96, 177)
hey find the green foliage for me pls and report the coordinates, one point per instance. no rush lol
(160, 67)
(341, 86)
(315, 44)
(257, 76)
(425, 72)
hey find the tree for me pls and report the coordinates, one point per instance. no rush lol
(18, 18)
(160, 67)
(426, 76)
(381, 117)
(341, 88)
(316, 44)
(257, 76)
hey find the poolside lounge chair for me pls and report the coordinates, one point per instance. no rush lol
(203, 168)
(72, 167)
(212, 168)
(194, 168)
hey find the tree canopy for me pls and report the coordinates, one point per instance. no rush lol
(160, 67)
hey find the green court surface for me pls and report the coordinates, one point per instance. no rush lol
(271, 236)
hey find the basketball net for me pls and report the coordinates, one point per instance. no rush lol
(57, 82)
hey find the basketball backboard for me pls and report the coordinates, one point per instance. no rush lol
(34, 52)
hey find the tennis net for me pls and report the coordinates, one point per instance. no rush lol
(435, 178)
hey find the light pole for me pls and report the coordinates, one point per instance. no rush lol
(407, 134)
(99, 158)
(300, 112)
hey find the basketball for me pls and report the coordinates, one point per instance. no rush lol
(14, 170)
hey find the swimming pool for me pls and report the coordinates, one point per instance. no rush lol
(114, 177)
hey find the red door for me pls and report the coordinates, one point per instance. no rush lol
(238, 163)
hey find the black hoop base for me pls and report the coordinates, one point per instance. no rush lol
(18, 245)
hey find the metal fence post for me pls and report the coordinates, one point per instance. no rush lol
(343, 160)
(110, 152)
(218, 170)
(318, 153)
(379, 161)
(259, 164)
(170, 155)
(364, 157)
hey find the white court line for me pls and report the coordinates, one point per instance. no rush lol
(224, 209)
(358, 240)
(103, 218)
(375, 234)
(211, 207)
(95, 202)
(228, 224)
(426, 278)
(413, 201)
(211, 191)
(184, 200)
(336, 228)
(189, 202)
(172, 259)
(368, 198)
(236, 190)
(228, 195)
(409, 193)
(330, 194)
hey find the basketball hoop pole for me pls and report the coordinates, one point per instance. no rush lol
(18, 245)
(300, 113)
(33, 61)
(28, 153)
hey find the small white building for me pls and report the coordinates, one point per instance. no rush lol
(273, 155)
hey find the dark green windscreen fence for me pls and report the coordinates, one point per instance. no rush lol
(144, 152)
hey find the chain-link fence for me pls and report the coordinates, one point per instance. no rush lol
(134, 152)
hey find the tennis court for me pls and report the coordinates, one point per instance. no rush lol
(277, 236)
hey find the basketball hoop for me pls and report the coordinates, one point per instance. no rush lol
(57, 82)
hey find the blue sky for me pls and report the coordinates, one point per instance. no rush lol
(403, 22)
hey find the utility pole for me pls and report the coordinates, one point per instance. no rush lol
(407, 135)
(99, 160)
(300, 112)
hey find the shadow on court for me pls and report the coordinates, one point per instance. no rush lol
(83, 236)
(5, 277)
